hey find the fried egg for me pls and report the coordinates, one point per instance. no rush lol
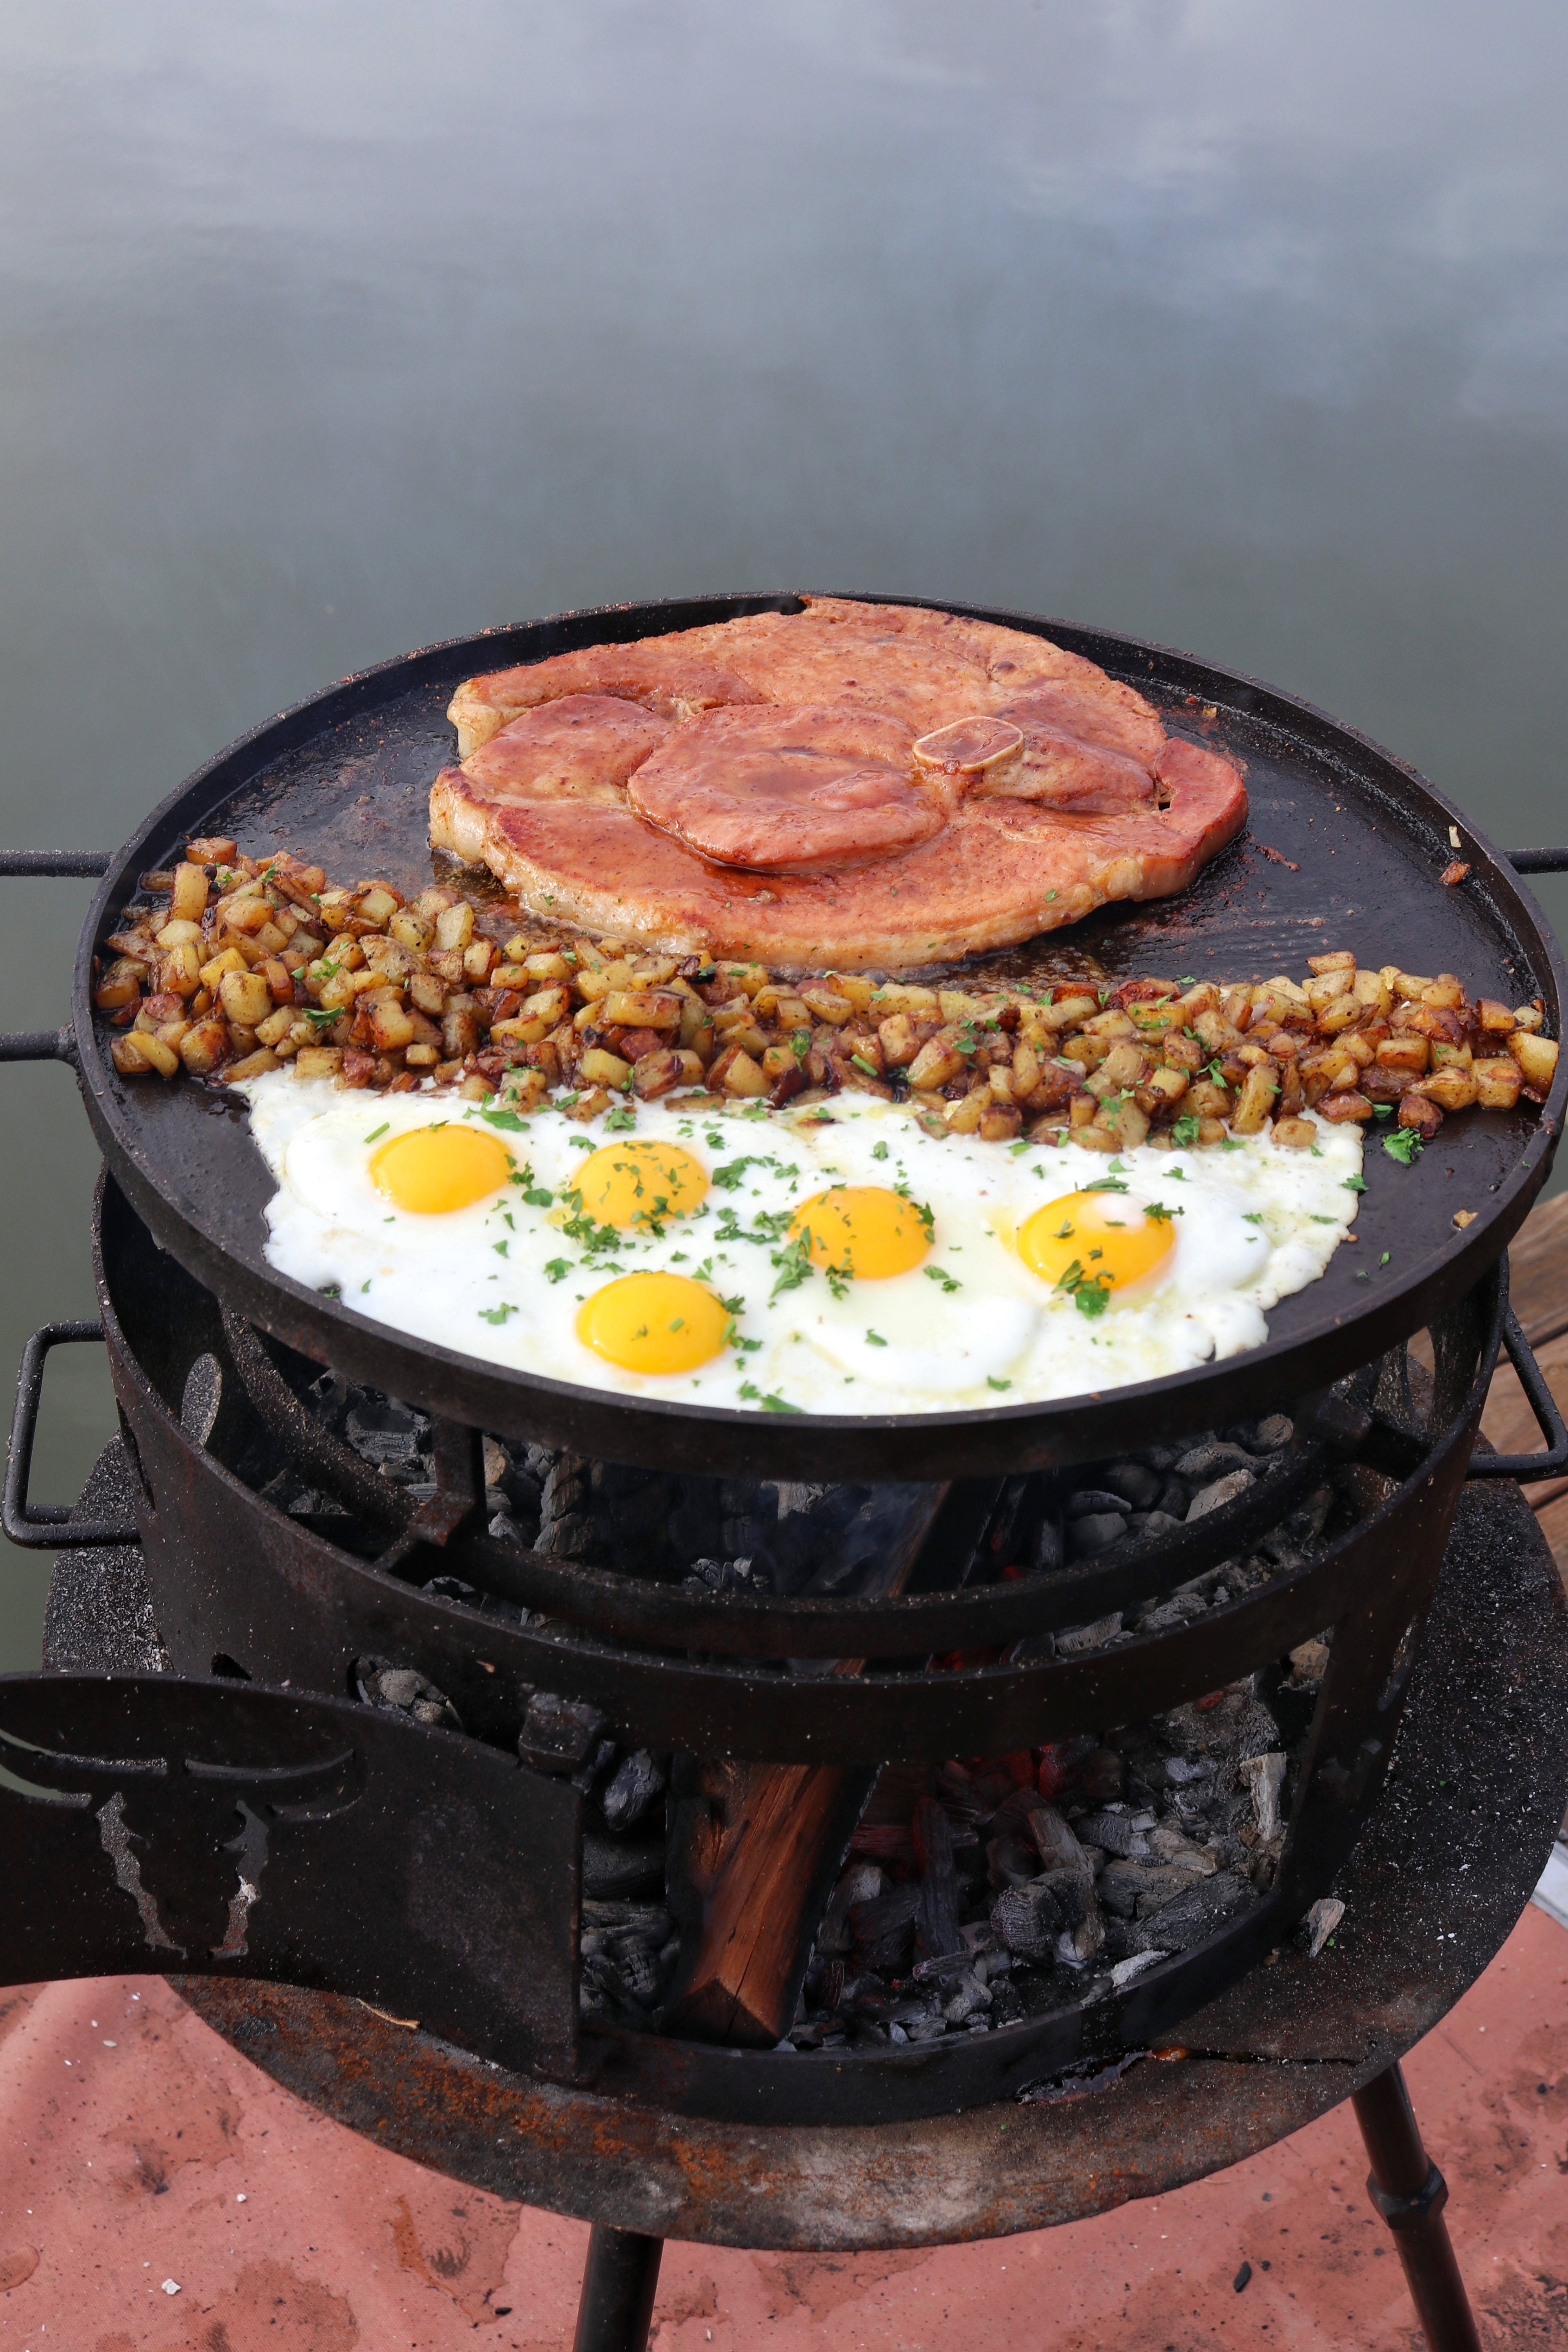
(836, 1260)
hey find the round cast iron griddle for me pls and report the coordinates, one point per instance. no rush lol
(1343, 849)
(1437, 1880)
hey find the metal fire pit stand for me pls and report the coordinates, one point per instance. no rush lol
(1432, 1890)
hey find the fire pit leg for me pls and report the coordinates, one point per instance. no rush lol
(618, 2281)
(1410, 2193)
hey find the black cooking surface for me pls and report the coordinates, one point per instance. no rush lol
(1343, 848)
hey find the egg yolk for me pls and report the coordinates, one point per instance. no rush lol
(640, 1184)
(1111, 1241)
(435, 1170)
(863, 1230)
(654, 1323)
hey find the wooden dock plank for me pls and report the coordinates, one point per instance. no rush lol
(1537, 1264)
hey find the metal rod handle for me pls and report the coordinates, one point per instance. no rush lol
(1538, 861)
(1410, 2192)
(1528, 1467)
(618, 2281)
(46, 1527)
(39, 1045)
(85, 865)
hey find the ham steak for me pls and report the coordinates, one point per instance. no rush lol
(858, 785)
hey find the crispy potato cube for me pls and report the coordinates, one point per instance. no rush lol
(642, 1008)
(189, 895)
(1408, 1051)
(318, 1061)
(1126, 1121)
(429, 993)
(158, 1053)
(390, 1026)
(1346, 1103)
(599, 1068)
(827, 1005)
(1067, 1012)
(1528, 1016)
(460, 1033)
(122, 984)
(245, 997)
(936, 1064)
(1163, 1085)
(1536, 1056)
(779, 1062)
(589, 1104)
(522, 1090)
(1255, 1101)
(127, 1057)
(1494, 1018)
(1446, 1057)
(479, 956)
(378, 904)
(697, 1032)
(735, 1073)
(422, 1057)
(1097, 1136)
(999, 1081)
(964, 1117)
(656, 1072)
(211, 849)
(1498, 1082)
(411, 930)
(253, 1065)
(180, 935)
(516, 1032)
(1208, 1100)
(204, 1045)
(1341, 1013)
(899, 1040)
(1445, 993)
(1454, 1088)
(246, 911)
(1001, 1123)
(1124, 1066)
(1111, 1025)
(547, 1005)
(1371, 988)
(279, 979)
(1418, 1110)
(1337, 960)
(1025, 1068)
(1295, 1134)
(539, 965)
(1409, 985)
(454, 928)
(276, 1027)
(179, 973)
(431, 900)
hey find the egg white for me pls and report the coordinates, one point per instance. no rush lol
(971, 1326)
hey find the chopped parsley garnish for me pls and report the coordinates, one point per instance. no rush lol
(1185, 1130)
(507, 1119)
(496, 1314)
(879, 1151)
(1404, 1146)
(1104, 1184)
(500, 1248)
(620, 1117)
(376, 1132)
(993, 1382)
(769, 1404)
(1089, 1293)
(938, 1274)
(1358, 1183)
(874, 1340)
(1161, 1215)
(557, 1269)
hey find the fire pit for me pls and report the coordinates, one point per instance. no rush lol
(725, 1775)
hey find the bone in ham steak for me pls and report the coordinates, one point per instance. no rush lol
(854, 785)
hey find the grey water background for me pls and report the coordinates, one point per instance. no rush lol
(326, 331)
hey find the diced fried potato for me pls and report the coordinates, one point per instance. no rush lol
(180, 972)
(279, 979)
(1208, 1100)
(422, 1057)
(735, 1073)
(1215, 1032)
(189, 895)
(204, 1045)
(1494, 1018)
(936, 1064)
(246, 911)
(1419, 1112)
(411, 930)
(964, 1117)
(1445, 993)
(390, 1026)
(1336, 960)
(277, 1025)
(1328, 987)
(1124, 1066)
(1340, 1014)
(454, 927)
(179, 935)
(547, 1005)
(1126, 1119)
(827, 1005)
(1528, 1016)
(590, 1104)
(120, 985)
(1181, 1053)
(1025, 1068)
(318, 1061)
(641, 1008)
(245, 997)
(1001, 1122)
(1498, 1082)
(1408, 1051)
(1098, 1137)
(1446, 1057)
(656, 1072)
(127, 1059)
(378, 904)
(1346, 1103)
(697, 1033)
(433, 897)
(1295, 1134)
(1067, 1012)
(1453, 1087)
(539, 964)
(211, 849)
(478, 960)
(459, 1032)
(1165, 1084)
(1255, 1101)
(515, 1031)
(1407, 985)
(1536, 1056)
(1371, 988)
(253, 1065)
(600, 1068)
(522, 1090)
(1110, 1024)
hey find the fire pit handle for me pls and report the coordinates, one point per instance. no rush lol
(1528, 1467)
(44, 1527)
(48, 1045)
(1538, 861)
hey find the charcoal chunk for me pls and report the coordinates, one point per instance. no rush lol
(1134, 1481)
(1095, 1533)
(1191, 1919)
(1027, 1920)
(632, 1788)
